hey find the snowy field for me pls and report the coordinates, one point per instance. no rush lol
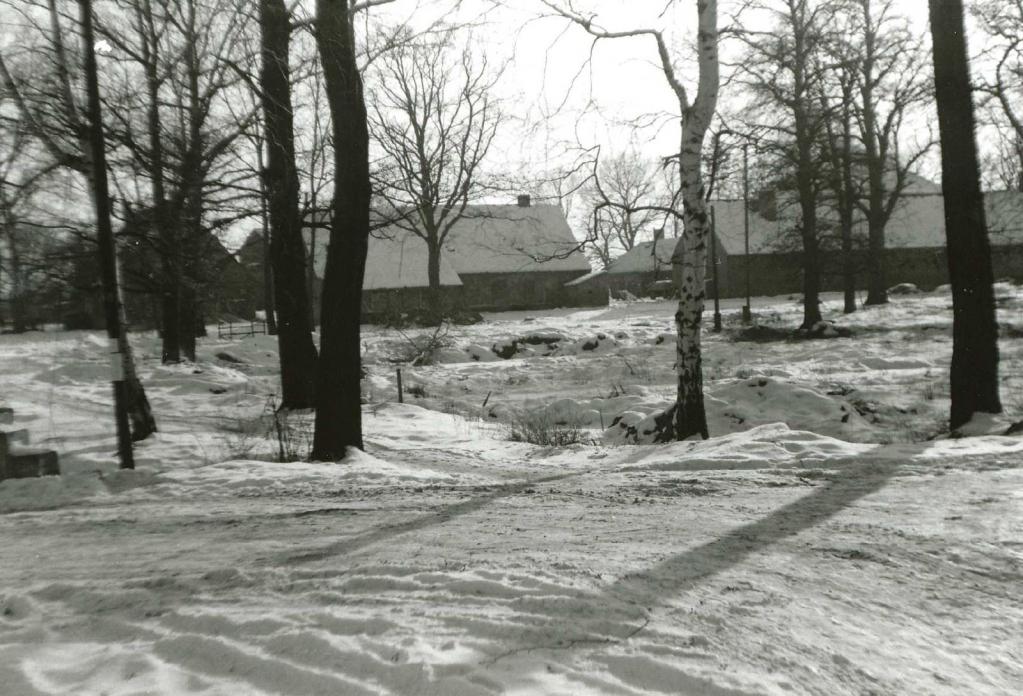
(823, 542)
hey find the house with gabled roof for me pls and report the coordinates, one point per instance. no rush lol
(915, 247)
(495, 258)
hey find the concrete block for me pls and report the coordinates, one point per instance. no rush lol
(25, 463)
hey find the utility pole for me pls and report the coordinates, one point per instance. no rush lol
(714, 267)
(105, 238)
(747, 314)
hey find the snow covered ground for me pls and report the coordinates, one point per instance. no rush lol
(821, 543)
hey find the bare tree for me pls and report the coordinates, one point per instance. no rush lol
(974, 372)
(619, 195)
(890, 80)
(837, 102)
(688, 416)
(434, 117)
(176, 135)
(280, 180)
(1002, 23)
(784, 69)
(24, 171)
(338, 395)
(48, 99)
(104, 231)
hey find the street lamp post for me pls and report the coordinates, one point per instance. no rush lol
(714, 268)
(747, 314)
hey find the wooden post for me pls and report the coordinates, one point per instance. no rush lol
(401, 392)
(714, 268)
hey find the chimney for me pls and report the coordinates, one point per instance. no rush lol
(524, 200)
(658, 234)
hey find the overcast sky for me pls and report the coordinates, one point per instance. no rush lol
(578, 93)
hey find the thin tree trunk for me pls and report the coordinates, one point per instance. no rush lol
(433, 273)
(287, 250)
(140, 413)
(877, 287)
(187, 321)
(848, 264)
(105, 235)
(166, 228)
(974, 371)
(268, 284)
(811, 264)
(338, 402)
(877, 291)
(690, 256)
(847, 207)
(18, 319)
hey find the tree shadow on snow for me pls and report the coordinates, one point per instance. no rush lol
(699, 564)
(440, 516)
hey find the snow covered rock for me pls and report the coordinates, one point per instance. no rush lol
(904, 289)
(760, 400)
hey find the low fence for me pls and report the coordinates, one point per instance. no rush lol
(240, 329)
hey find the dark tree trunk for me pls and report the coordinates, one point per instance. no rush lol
(105, 236)
(974, 371)
(811, 269)
(808, 228)
(287, 251)
(846, 207)
(18, 319)
(338, 403)
(166, 227)
(187, 322)
(877, 288)
(268, 282)
(170, 306)
(433, 249)
(848, 264)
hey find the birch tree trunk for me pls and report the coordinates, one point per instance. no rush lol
(690, 256)
(689, 260)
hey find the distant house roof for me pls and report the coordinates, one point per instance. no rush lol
(644, 257)
(487, 239)
(400, 262)
(917, 222)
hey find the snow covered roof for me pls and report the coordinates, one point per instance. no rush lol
(401, 263)
(513, 238)
(487, 239)
(644, 257)
(919, 221)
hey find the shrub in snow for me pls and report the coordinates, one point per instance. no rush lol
(539, 428)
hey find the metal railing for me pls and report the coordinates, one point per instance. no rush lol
(240, 329)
